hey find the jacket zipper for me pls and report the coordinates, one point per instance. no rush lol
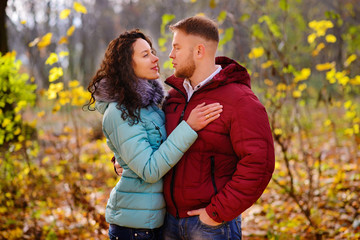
(212, 158)
(158, 129)
(172, 183)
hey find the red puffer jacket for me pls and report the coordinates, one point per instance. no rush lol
(229, 166)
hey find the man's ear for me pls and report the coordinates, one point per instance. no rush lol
(200, 51)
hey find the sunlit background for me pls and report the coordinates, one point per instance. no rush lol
(303, 58)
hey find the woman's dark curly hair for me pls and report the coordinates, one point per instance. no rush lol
(117, 72)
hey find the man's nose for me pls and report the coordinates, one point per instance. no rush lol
(171, 55)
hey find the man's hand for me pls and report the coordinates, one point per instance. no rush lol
(203, 216)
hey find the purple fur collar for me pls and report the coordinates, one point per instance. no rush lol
(151, 92)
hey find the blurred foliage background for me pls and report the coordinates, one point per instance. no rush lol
(303, 57)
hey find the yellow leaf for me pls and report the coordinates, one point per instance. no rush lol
(55, 73)
(41, 114)
(356, 128)
(45, 41)
(34, 42)
(267, 64)
(325, 66)
(281, 87)
(17, 118)
(350, 115)
(278, 131)
(330, 38)
(70, 31)
(54, 88)
(65, 13)
(53, 58)
(79, 7)
(302, 75)
(349, 131)
(327, 123)
(311, 38)
(6, 122)
(56, 108)
(256, 52)
(355, 80)
(17, 131)
(349, 60)
(74, 83)
(348, 104)
(320, 27)
(296, 94)
(330, 76)
(64, 97)
(45, 160)
(268, 82)
(88, 176)
(344, 80)
(302, 87)
(63, 54)
(318, 49)
(63, 40)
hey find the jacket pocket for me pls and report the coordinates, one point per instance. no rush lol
(212, 163)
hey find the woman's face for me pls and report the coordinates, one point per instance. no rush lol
(145, 63)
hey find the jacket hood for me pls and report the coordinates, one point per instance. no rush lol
(101, 106)
(232, 72)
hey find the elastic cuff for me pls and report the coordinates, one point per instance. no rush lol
(210, 210)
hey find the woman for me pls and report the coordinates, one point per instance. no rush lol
(127, 92)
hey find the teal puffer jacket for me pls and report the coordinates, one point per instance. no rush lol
(146, 155)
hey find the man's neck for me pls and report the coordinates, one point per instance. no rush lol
(201, 74)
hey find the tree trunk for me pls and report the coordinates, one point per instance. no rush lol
(3, 32)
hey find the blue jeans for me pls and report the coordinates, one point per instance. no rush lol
(191, 228)
(124, 233)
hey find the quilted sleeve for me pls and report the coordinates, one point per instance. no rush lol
(132, 145)
(252, 142)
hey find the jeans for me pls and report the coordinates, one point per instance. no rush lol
(191, 228)
(124, 233)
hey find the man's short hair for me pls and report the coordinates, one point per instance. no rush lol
(198, 26)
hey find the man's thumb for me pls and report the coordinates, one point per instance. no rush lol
(193, 212)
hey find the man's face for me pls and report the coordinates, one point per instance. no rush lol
(182, 55)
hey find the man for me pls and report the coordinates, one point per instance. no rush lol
(229, 166)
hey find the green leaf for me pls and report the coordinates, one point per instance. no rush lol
(167, 64)
(229, 33)
(244, 17)
(166, 19)
(257, 32)
(283, 5)
(162, 42)
(222, 16)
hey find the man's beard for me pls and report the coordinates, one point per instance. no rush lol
(186, 71)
